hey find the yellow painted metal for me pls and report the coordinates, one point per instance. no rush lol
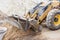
(55, 4)
(44, 14)
(58, 21)
(26, 15)
(34, 14)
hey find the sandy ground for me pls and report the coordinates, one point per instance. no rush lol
(16, 34)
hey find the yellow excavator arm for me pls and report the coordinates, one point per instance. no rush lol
(44, 14)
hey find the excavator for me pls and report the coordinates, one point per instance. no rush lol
(47, 14)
